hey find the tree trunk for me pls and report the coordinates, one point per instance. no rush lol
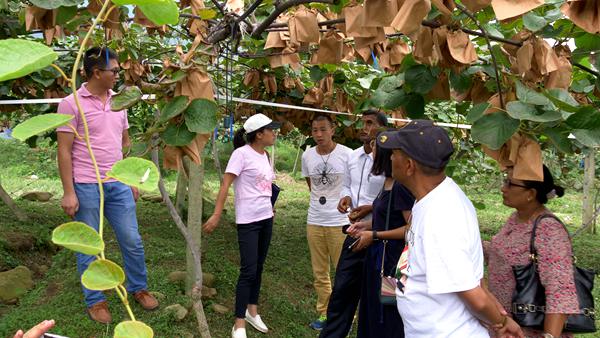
(194, 221)
(21, 216)
(181, 190)
(588, 188)
(215, 153)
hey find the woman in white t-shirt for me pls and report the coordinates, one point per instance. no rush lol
(251, 174)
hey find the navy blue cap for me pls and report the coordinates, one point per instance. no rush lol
(422, 141)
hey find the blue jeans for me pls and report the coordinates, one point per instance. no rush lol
(119, 209)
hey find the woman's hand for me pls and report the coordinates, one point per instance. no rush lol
(211, 223)
(365, 238)
(356, 228)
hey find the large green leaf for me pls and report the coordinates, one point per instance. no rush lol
(587, 117)
(136, 172)
(21, 57)
(534, 22)
(39, 124)
(560, 139)
(177, 135)
(51, 4)
(173, 108)
(79, 237)
(562, 99)
(528, 95)
(420, 78)
(477, 111)
(524, 111)
(160, 12)
(494, 129)
(415, 106)
(395, 99)
(133, 329)
(102, 274)
(126, 98)
(589, 137)
(201, 116)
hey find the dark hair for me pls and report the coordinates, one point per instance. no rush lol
(380, 116)
(240, 138)
(545, 188)
(97, 57)
(382, 163)
(322, 118)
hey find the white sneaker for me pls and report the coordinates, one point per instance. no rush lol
(256, 322)
(238, 333)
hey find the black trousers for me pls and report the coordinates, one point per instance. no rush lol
(253, 239)
(346, 292)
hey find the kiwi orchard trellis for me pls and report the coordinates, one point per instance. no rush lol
(490, 59)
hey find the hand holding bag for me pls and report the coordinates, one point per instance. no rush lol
(387, 294)
(529, 298)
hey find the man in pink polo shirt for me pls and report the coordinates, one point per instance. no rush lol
(81, 199)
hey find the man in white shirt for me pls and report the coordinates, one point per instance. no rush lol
(439, 292)
(323, 167)
(358, 192)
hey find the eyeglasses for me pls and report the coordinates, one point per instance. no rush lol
(115, 71)
(508, 183)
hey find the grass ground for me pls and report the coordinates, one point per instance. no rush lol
(287, 296)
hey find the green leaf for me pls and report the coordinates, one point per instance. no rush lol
(389, 83)
(562, 99)
(366, 81)
(177, 135)
(52, 4)
(65, 14)
(136, 172)
(78, 237)
(201, 116)
(420, 79)
(460, 82)
(395, 99)
(528, 95)
(173, 108)
(524, 111)
(415, 106)
(494, 129)
(587, 117)
(534, 22)
(39, 124)
(588, 137)
(165, 13)
(131, 329)
(582, 86)
(22, 57)
(316, 73)
(207, 13)
(102, 274)
(125, 99)
(477, 111)
(560, 139)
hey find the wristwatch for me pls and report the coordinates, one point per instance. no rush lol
(375, 238)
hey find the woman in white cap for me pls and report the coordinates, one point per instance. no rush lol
(251, 174)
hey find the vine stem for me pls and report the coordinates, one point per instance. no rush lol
(489, 44)
(97, 20)
(61, 72)
(122, 293)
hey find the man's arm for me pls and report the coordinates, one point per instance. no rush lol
(69, 203)
(308, 183)
(126, 143)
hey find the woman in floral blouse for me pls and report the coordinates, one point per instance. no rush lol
(511, 247)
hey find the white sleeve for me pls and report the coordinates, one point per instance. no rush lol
(453, 253)
(305, 172)
(347, 179)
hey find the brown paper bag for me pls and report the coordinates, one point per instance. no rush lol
(270, 84)
(195, 148)
(196, 84)
(521, 153)
(423, 49)
(560, 78)
(348, 53)
(476, 5)
(525, 58)
(274, 40)
(39, 18)
(478, 92)
(299, 85)
(331, 48)
(379, 13)
(306, 27)
(286, 56)
(365, 54)
(441, 89)
(326, 85)
(288, 83)
(172, 157)
(398, 51)
(505, 9)
(444, 6)
(461, 48)
(584, 13)
(369, 42)
(314, 97)
(409, 17)
(353, 17)
(252, 78)
(545, 57)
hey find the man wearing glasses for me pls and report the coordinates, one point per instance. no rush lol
(81, 199)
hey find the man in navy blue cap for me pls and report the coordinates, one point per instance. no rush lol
(441, 267)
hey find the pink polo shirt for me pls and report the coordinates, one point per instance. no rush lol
(106, 134)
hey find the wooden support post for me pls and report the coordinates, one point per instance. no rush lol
(194, 220)
(5, 197)
(181, 190)
(588, 188)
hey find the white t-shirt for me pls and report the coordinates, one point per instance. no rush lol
(444, 257)
(326, 175)
(252, 186)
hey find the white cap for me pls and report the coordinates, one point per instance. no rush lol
(257, 121)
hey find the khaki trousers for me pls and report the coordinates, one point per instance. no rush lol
(325, 244)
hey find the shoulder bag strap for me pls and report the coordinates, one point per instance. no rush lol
(387, 225)
(532, 250)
